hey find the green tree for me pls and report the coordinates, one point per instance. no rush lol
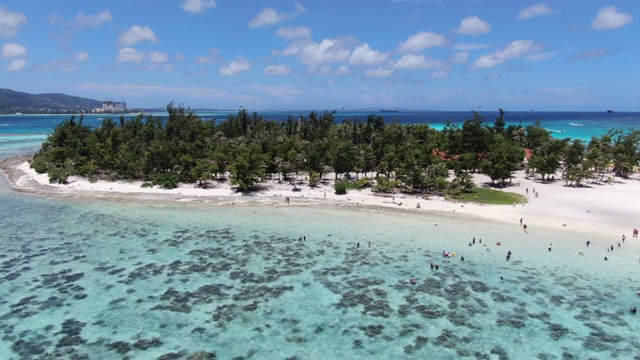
(247, 167)
(501, 160)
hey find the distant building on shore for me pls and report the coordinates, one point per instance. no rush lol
(110, 106)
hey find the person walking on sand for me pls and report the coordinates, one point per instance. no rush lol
(521, 221)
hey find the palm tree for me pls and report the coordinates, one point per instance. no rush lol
(578, 174)
(621, 165)
(519, 135)
(278, 162)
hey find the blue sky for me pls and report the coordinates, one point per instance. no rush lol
(581, 55)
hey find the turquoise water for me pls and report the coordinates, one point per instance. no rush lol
(108, 280)
(146, 280)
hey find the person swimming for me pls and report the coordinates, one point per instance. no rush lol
(633, 310)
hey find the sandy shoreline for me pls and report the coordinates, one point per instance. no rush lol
(606, 209)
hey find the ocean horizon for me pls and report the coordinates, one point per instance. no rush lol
(24, 133)
(103, 279)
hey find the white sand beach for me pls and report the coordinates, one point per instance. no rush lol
(610, 209)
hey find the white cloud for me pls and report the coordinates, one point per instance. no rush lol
(83, 20)
(541, 56)
(364, 55)
(515, 49)
(379, 72)
(534, 10)
(321, 70)
(235, 67)
(589, 54)
(16, 65)
(609, 18)
(416, 62)
(442, 72)
(343, 70)
(473, 25)
(269, 16)
(328, 51)
(421, 41)
(327, 70)
(168, 68)
(10, 22)
(128, 54)
(291, 32)
(81, 56)
(466, 46)
(212, 58)
(277, 70)
(64, 65)
(197, 6)
(135, 34)
(158, 57)
(13, 50)
(460, 57)
(67, 65)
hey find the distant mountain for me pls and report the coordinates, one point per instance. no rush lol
(12, 102)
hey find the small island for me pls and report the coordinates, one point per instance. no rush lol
(365, 163)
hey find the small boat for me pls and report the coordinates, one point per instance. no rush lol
(18, 113)
(575, 124)
(609, 110)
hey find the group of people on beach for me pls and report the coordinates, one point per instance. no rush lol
(535, 193)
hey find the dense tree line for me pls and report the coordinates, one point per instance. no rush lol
(183, 148)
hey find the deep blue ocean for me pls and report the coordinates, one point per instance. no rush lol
(106, 279)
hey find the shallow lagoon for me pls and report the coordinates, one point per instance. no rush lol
(104, 280)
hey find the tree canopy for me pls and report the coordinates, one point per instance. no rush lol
(246, 147)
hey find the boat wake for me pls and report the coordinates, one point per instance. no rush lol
(556, 131)
(575, 124)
